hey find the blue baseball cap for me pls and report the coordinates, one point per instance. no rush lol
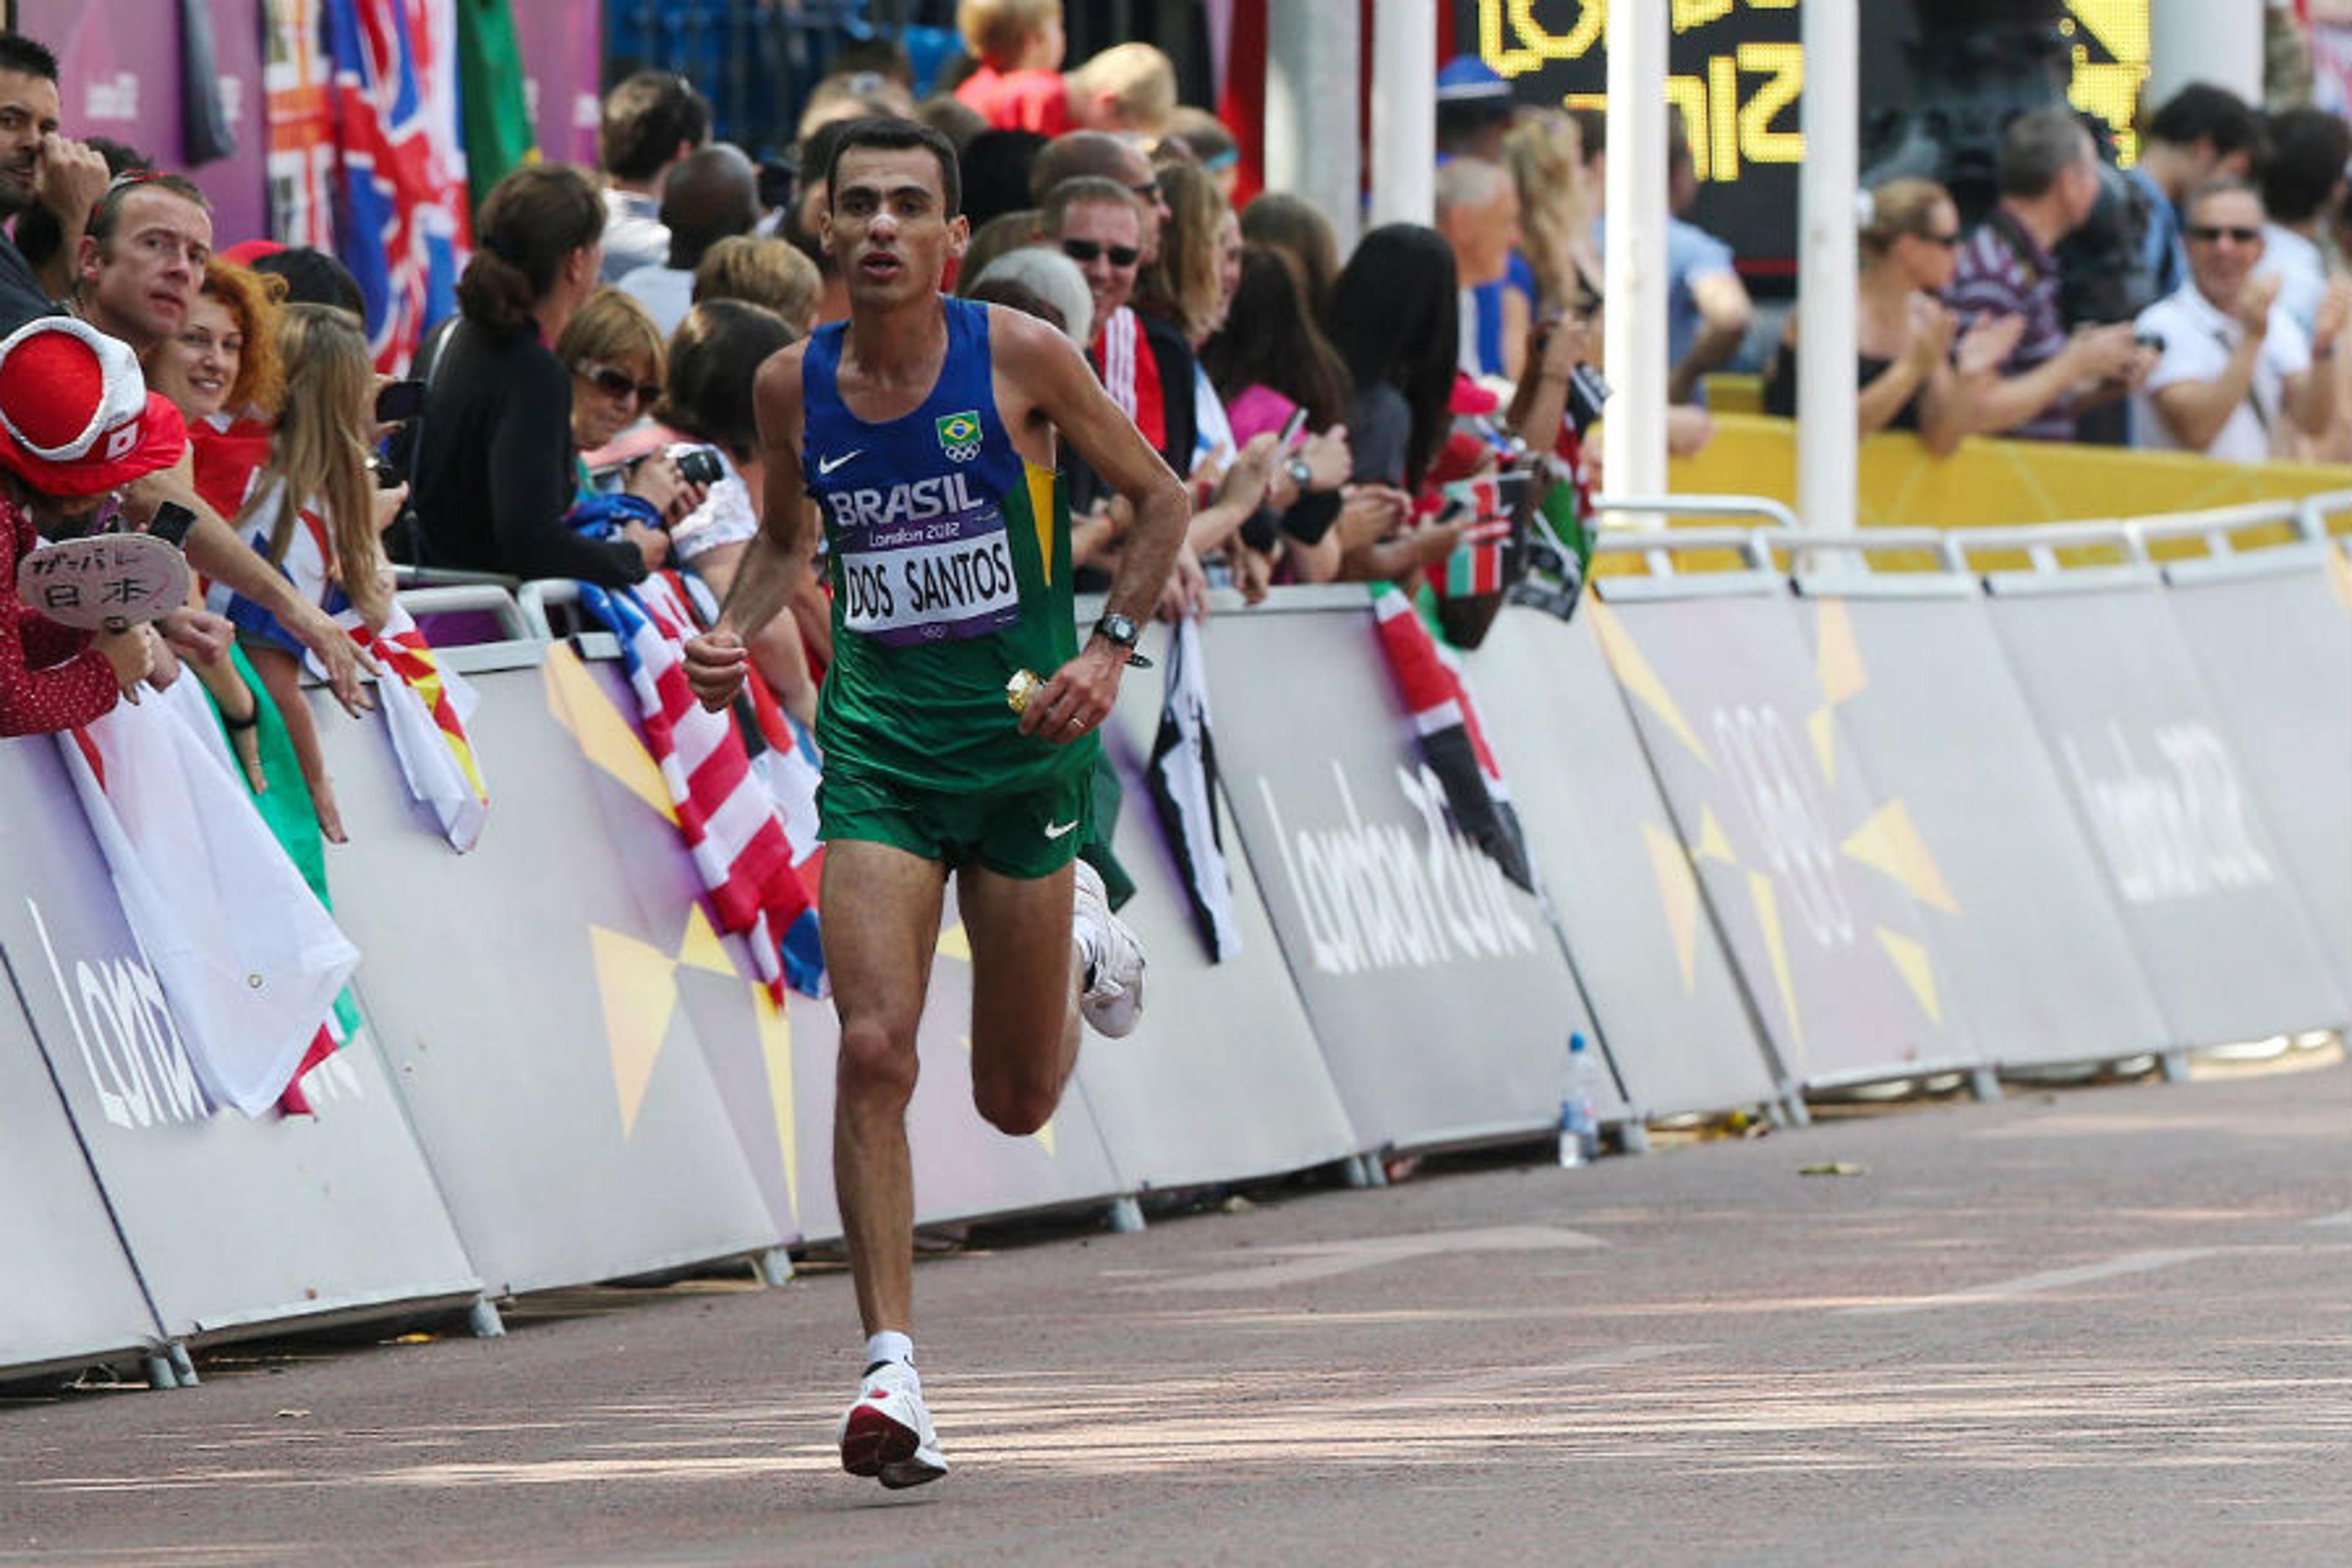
(1466, 79)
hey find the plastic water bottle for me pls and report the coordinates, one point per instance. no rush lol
(1579, 1124)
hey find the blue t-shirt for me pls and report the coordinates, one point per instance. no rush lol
(1691, 252)
(1488, 300)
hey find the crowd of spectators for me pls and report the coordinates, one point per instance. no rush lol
(2239, 352)
(585, 414)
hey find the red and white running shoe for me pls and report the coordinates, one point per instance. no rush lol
(887, 1433)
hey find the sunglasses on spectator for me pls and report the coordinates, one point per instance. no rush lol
(1085, 250)
(1948, 241)
(616, 384)
(2207, 233)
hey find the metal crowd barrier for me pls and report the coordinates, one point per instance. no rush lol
(1797, 825)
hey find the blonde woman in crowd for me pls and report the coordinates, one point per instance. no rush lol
(1903, 334)
(315, 513)
(1545, 155)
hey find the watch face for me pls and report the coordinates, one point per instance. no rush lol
(1119, 628)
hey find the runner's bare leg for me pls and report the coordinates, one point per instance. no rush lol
(881, 927)
(1025, 1013)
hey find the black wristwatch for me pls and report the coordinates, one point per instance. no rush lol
(1123, 631)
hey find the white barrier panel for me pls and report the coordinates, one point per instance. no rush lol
(2202, 883)
(70, 1297)
(528, 993)
(1619, 879)
(1221, 1082)
(2272, 633)
(1978, 824)
(1436, 989)
(1768, 796)
(230, 1222)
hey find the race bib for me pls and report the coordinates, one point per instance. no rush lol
(940, 580)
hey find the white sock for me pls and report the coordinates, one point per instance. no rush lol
(889, 1345)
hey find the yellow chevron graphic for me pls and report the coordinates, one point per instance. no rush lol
(701, 947)
(1838, 658)
(1890, 843)
(605, 738)
(637, 986)
(1633, 672)
(1776, 948)
(1821, 725)
(1712, 843)
(1911, 963)
(1678, 896)
(776, 1048)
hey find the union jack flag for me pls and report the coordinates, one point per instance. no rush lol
(727, 810)
(402, 209)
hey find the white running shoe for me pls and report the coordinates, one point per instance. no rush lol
(887, 1433)
(1113, 999)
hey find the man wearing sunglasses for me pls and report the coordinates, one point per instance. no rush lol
(2235, 366)
(957, 719)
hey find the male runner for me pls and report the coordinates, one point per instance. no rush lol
(925, 428)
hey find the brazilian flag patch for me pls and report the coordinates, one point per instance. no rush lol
(959, 436)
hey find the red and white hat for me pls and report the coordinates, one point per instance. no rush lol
(75, 416)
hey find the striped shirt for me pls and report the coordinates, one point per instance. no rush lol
(2004, 270)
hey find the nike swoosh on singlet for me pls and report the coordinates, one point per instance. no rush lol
(1056, 829)
(826, 465)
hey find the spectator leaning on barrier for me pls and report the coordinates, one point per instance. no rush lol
(493, 472)
(2235, 368)
(650, 121)
(223, 372)
(77, 424)
(2048, 183)
(1395, 319)
(617, 358)
(2200, 133)
(315, 514)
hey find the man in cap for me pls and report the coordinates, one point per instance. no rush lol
(76, 426)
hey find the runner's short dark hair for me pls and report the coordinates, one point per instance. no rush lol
(898, 136)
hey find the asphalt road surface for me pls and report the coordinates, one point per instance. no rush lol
(2108, 1325)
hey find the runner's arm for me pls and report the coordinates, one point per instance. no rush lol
(1065, 391)
(1059, 383)
(776, 562)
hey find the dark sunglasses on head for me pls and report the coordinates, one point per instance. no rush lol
(1085, 250)
(2210, 232)
(1948, 241)
(613, 383)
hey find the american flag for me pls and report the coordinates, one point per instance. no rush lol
(402, 214)
(733, 827)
